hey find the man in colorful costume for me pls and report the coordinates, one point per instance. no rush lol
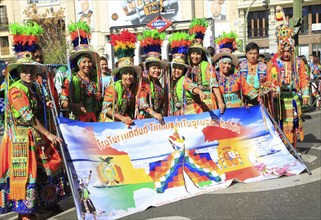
(253, 70)
(287, 74)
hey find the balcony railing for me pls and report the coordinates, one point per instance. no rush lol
(258, 33)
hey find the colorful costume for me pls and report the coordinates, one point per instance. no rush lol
(117, 98)
(288, 78)
(151, 94)
(232, 86)
(31, 169)
(183, 100)
(81, 92)
(255, 75)
(202, 74)
(77, 90)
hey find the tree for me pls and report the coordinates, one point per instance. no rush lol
(53, 41)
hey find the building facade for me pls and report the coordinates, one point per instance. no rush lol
(108, 16)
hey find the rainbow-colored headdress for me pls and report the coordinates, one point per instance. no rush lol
(227, 43)
(151, 42)
(180, 43)
(198, 28)
(25, 40)
(124, 47)
(80, 37)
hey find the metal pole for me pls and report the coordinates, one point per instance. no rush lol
(245, 24)
(297, 14)
(54, 113)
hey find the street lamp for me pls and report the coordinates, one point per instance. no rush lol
(245, 24)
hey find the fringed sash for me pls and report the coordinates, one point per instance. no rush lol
(19, 166)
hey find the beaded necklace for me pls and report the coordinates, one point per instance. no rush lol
(227, 81)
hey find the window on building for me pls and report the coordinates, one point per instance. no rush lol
(316, 14)
(3, 18)
(258, 24)
(4, 44)
(41, 1)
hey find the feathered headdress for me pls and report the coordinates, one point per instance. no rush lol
(124, 44)
(227, 43)
(80, 34)
(198, 28)
(151, 42)
(80, 37)
(25, 40)
(180, 43)
(124, 47)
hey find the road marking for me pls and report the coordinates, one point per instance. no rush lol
(272, 184)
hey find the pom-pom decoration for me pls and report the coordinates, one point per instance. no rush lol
(124, 44)
(25, 36)
(198, 27)
(151, 41)
(228, 40)
(79, 33)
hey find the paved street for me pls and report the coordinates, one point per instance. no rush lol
(296, 197)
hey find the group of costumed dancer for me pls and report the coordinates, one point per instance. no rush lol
(32, 173)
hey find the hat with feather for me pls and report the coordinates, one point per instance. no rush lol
(198, 28)
(151, 43)
(80, 37)
(124, 47)
(25, 43)
(227, 43)
(179, 43)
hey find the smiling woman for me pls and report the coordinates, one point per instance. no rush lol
(31, 169)
(119, 97)
(80, 94)
(151, 96)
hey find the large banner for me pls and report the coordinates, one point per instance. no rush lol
(136, 12)
(119, 170)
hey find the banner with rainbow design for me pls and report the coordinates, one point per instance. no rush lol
(119, 170)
